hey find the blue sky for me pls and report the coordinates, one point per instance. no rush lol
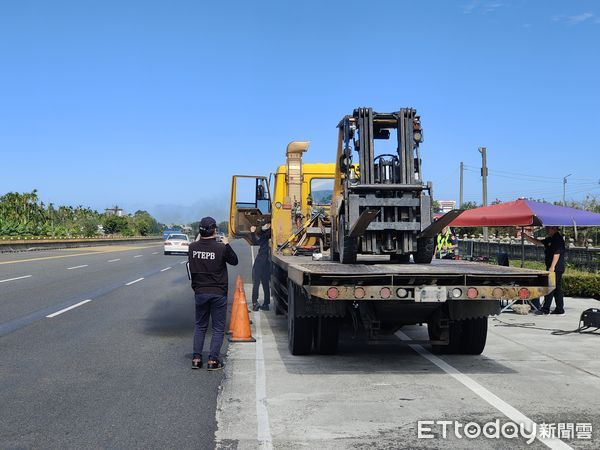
(154, 105)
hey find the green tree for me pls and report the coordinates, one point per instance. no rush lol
(223, 226)
(115, 225)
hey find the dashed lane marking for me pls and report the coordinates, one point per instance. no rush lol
(138, 256)
(134, 281)
(110, 250)
(113, 260)
(165, 269)
(68, 308)
(16, 278)
(77, 267)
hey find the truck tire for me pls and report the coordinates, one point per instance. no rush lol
(327, 330)
(334, 254)
(425, 249)
(300, 329)
(279, 311)
(454, 334)
(347, 245)
(473, 336)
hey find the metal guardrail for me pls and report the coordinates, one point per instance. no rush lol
(584, 258)
(19, 245)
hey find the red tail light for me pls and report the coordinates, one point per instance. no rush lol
(523, 293)
(359, 292)
(472, 292)
(333, 292)
(385, 292)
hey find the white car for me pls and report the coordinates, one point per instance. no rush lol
(177, 243)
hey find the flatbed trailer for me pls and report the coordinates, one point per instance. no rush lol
(453, 297)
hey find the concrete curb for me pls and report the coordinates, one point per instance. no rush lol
(33, 245)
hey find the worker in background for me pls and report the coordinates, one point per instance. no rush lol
(554, 256)
(446, 244)
(261, 271)
(208, 261)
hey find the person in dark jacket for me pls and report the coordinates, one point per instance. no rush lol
(208, 261)
(554, 256)
(261, 271)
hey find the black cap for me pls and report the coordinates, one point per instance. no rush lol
(208, 223)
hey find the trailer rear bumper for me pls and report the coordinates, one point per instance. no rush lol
(427, 294)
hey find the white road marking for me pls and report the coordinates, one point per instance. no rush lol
(138, 256)
(69, 308)
(77, 267)
(263, 429)
(165, 269)
(495, 401)
(155, 253)
(113, 260)
(182, 262)
(134, 281)
(17, 278)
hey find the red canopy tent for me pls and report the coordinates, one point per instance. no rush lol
(523, 213)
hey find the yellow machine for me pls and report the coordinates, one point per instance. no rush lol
(298, 208)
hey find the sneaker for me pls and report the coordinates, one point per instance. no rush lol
(542, 312)
(215, 365)
(264, 307)
(196, 363)
(255, 306)
(558, 313)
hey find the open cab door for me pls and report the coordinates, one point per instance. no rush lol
(250, 205)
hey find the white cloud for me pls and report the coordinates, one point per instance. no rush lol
(481, 6)
(574, 20)
(586, 17)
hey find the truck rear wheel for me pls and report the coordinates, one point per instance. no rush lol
(425, 249)
(454, 335)
(347, 245)
(300, 329)
(327, 330)
(473, 336)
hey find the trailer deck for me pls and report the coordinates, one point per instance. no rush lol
(420, 282)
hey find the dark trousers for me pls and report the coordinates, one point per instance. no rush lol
(556, 294)
(261, 274)
(211, 306)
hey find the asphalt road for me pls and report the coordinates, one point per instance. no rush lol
(112, 372)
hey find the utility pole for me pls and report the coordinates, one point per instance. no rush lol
(484, 173)
(565, 189)
(460, 197)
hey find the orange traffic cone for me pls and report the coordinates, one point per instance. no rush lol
(235, 304)
(241, 326)
(238, 283)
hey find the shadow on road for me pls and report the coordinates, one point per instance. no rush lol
(357, 355)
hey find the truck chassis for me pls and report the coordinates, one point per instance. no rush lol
(454, 299)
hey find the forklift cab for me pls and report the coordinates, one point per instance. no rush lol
(250, 205)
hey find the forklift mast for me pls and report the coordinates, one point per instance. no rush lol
(383, 204)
